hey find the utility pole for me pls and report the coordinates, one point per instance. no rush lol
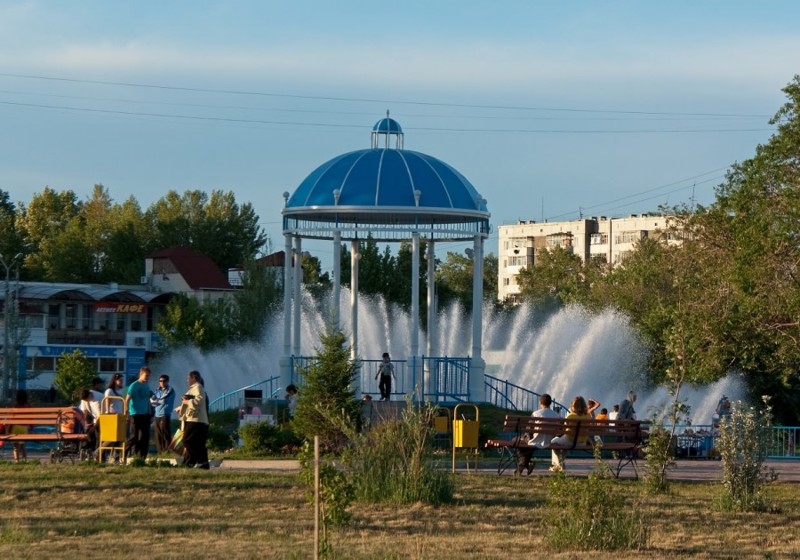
(8, 357)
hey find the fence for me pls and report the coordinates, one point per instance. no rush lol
(701, 441)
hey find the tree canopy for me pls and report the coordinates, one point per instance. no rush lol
(98, 240)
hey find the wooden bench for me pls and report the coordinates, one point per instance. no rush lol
(58, 418)
(622, 437)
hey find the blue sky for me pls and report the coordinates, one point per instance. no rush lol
(550, 109)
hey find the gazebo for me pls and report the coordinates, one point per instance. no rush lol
(393, 195)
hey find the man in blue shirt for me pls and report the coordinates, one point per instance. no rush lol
(138, 402)
(163, 400)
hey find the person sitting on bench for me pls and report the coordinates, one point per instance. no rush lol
(578, 410)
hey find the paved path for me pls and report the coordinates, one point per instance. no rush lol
(686, 469)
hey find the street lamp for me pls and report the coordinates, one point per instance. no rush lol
(5, 387)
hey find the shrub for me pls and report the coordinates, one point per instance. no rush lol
(742, 444)
(219, 439)
(593, 514)
(263, 438)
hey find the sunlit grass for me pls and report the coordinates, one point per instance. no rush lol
(77, 511)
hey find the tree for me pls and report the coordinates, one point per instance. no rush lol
(11, 241)
(326, 402)
(558, 277)
(214, 225)
(44, 224)
(454, 279)
(259, 299)
(188, 321)
(74, 372)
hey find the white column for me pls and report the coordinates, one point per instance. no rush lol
(432, 334)
(298, 276)
(337, 279)
(354, 256)
(285, 362)
(415, 294)
(477, 366)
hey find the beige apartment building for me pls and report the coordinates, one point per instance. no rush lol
(599, 237)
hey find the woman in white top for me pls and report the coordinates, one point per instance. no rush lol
(115, 389)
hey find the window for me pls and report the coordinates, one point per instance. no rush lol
(111, 365)
(39, 364)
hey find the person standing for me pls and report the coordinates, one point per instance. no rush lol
(386, 373)
(163, 401)
(193, 413)
(87, 407)
(291, 400)
(626, 411)
(138, 402)
(114, 389)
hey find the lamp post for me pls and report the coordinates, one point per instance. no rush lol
(5, 387)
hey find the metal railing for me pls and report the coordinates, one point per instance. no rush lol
(235, 399)
(504, 394)
(700, 440)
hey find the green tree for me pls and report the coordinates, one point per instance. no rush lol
(215, 225)
(259, 299)
(74, 372)
(558, 277)
(187, 321)
(326, 402)
(11, 241)
(50, 225)
(454, 279)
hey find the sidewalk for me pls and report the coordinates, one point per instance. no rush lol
(698, 470)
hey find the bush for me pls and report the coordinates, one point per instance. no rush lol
(219, 439)
(593, 514)
(263, 438)
(742, 444)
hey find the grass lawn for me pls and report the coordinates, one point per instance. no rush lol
(89, 511)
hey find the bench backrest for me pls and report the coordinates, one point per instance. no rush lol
(40, 416)
(583, 428)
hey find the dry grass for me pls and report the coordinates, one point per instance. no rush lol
(65, 511)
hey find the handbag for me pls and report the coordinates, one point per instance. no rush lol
(176, 443)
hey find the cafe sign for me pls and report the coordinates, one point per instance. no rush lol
(111, 307)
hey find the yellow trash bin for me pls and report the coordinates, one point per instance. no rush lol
(465, 433)
(113, 427)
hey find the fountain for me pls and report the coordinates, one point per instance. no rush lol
(567, 353)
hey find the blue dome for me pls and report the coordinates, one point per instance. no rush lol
(387, 178)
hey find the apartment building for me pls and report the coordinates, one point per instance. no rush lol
(596, 237)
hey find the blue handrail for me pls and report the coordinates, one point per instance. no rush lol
(235, 399)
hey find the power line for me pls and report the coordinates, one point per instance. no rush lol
(369, 100)
(359, 113)
(360, 127)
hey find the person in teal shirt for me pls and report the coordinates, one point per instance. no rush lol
(138, 402)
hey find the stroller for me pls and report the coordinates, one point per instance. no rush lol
(70, 421)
